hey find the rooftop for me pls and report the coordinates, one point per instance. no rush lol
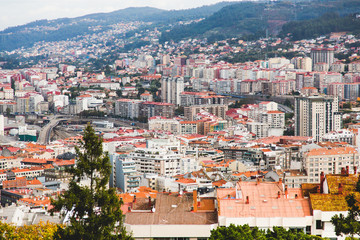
(263, 201)
(171, 209)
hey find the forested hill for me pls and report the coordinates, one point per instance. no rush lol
(65, 28)
(253, 18)
(330, 22)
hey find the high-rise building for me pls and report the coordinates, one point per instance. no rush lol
(2, 123)
(322, 55)
(171, 87)
(316, 115)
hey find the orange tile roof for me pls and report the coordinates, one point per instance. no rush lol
(263, 201)
(186, 180)
(331, 151)
(274, 112)
(219, 183)
(33, 182)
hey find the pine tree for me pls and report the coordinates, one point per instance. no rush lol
(94, 210)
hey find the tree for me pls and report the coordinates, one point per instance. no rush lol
(237, 233)
(94, 210)
(41, 230)
(8, 111)
(179, 111)
(119, 93)
(244, 232)
(349, 225)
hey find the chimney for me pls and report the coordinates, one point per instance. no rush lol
(322, 179)
(195, 200)
(149, 201)
(340, 188)
(279, 195)
(355, 169)
(343, 172)
(247, 200)
(296, 196)
(228, 196)
(129, 209)
(318, 190)
(258, 181)
(347, 170)
(134, 200)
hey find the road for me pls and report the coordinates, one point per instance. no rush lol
(45, 133)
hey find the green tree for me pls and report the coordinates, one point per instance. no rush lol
(119, 93)
(237, 233)
(8, 111)
(94, 210)
(349, 225)
(141, 90)
(179, 111)
(244, 232)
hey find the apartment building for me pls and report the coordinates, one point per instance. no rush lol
(157, 161)
(124, 174)
(316, 116)
(218, 110)
(171, 87)
(164, 124)
(322, 55)
(127, 108)
(151, 109)
(329, 161)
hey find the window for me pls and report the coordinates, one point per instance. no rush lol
(319, 224)
(308, 229)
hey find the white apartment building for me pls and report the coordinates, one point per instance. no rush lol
(329, 161)
(171, 89)
(156, 161)
(275, 119)
(164, 124)
(316, 115)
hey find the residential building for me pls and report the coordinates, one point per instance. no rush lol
(156, 161)
(329, 161)
(316, 116)
(171, 88)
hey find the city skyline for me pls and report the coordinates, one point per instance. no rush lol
(19, 12)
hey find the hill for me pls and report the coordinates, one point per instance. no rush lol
(330, 22)
(65, 28)
(253, 18)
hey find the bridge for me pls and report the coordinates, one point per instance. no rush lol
(45, 133)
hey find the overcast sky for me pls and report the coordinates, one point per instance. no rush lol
(18, 12)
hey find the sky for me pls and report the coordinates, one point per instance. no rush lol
(18, 12)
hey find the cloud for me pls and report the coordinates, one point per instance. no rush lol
(17, 12)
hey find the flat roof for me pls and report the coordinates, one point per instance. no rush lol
(263, 201)
(172, 209)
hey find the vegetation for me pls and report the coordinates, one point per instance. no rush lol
(91, 113)
(240, 103)
(250, 19)
(350, 224)
(329, 22)
(39, 231)
(244, 232)
(66, 28)
(93, 209)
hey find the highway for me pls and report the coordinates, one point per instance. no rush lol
(45, 133)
